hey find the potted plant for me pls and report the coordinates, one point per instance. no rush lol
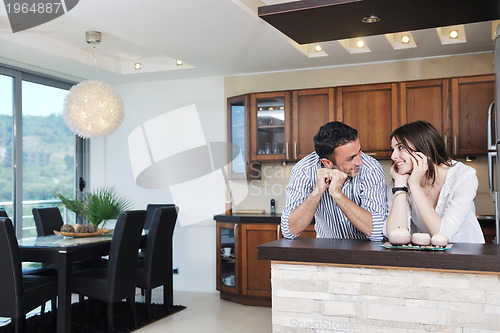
(97, 206)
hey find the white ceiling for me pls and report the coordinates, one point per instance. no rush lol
(213, 38)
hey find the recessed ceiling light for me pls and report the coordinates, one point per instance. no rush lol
(360, 43)
(405, 39)
(137, 65)
(179, 62)
(370, 19)
(454, 34)
(318, 48)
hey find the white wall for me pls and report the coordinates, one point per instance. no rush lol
(194, 245)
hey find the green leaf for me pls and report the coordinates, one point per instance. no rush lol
(73, 205)
(104, 204)
(97, 206)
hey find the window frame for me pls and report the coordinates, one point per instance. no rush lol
(81, 145)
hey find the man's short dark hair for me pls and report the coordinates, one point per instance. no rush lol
(332, 135)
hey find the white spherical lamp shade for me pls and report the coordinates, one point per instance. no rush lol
(93, 109)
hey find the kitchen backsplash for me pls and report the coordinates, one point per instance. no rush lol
(257, 194)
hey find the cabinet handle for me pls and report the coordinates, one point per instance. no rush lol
(371, 154)
(279, 231)
(235, 238)
(446, 141)
(295, 150)
(286, 151)
(455, 149)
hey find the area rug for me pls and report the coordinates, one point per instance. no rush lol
(97, 320)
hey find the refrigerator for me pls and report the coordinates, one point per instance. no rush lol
(494, 139)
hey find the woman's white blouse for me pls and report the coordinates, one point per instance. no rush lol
(455, 206)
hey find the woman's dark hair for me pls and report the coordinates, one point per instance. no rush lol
(424, 138)
(332, 135)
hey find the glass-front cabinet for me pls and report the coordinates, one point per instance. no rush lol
(240, 165)
(270, 117)
(227, 265)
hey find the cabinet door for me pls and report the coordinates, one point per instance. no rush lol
(239, 167)
(372, 110)
(270, 117)
(470, 100)
(228, 266)
(256, 274)
(426, 100)
(311, 109)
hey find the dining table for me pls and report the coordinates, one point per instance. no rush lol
(63, 251)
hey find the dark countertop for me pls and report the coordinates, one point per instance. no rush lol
(461, 257)
(249, 218)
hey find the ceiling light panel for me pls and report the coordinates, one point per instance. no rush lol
(351, 45)
(444, 34)
(396, 40)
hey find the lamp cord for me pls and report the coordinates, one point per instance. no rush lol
(92, 53)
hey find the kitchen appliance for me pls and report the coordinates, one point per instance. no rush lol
(494, 140)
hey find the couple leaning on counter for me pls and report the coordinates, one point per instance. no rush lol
(345, 191)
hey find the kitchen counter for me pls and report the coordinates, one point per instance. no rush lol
(249, 218)
(328, 285)
(461, 257)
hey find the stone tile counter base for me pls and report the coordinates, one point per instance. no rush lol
(330, 298)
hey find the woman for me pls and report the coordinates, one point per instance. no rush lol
(431, 192)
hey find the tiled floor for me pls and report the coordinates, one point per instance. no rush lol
(205, 312)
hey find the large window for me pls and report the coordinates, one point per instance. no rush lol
(39, 155)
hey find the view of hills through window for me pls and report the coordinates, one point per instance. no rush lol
(48, 146)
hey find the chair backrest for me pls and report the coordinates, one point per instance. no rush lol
(3, 213)
(122, 261)
(11, 273)
(150, 210)
(47, 220)
(158, 256)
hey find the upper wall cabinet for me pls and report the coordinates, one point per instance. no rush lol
(470, 99)
(426, 100)
(311, 109)
(270, 121)
(240, 165)
(372, 110)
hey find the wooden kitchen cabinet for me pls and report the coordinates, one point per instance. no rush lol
(251, 284)
(457, 107)
(470, 99)
(311, 109)
(426, 100)
(372, 110)
(283, 124)
(240, 165)
(270, 123)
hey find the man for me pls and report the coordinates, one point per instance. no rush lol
(340, 186)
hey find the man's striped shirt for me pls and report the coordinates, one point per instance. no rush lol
(368, 190)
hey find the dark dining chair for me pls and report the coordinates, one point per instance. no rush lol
(116, 281)
(150, 210)
(47, 219)
(20, 293)
(3, 213)
(155, 269)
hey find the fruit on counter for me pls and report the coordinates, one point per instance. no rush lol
(67, 228)
(80, 228)
(91, 228)
(421, 238)
(399, 236)
(439, 240)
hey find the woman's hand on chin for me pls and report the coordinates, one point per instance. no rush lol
(399, 180)
(420, 168)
